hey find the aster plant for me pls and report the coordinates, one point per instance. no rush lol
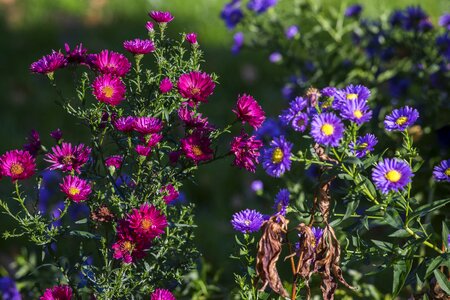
(120, 232)
(347, 206)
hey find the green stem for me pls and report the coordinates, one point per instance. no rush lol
(20, 200)
(426, 243)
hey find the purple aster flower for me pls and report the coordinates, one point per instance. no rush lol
(257, 186)
(77, 55)
(270, 128)
(247, 221)
(291, 32)
(415, 19)
(139, 47)
(444, 21)
(238, 42)
(441, 172)
(353, 10)
(282, 201)
(327, 129)
(277, 158)
(318, 233)
(364, 145)
(124, 124)
(391, 175)
(300, 122)
(191, 38)
(49, 63)
(351, 92)
(443, 44)
(400, 119)
(8, 289)
(288, 91)
(356, 111)
(275, 57)
(232, 13)
(397, 18)
(260, 6)
(328, 91)
(295, 108)
(161, 16)
(56, 134)
(34, 143)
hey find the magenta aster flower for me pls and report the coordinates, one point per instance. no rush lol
(149, 26)
(34, 143)
(146, 125)
(356, 111)
(147, 221)
(75, 188)
(129, 247)
(165, 85)
(49, 63)
(67, 157)
(143, 150)
(327, 129)
(56, 134)
(17, 164)
(248, 110)
(124, 124)
(161, 16)
(247, 221)
(246, 151)
(151, 139)
(114, 161)
(193, 120)
(109, 89)
(441, 172)
(351, 92)
(60, 292)
(162, 294)
(77, 55)
(196, 86)
(276, 159)
(363, 145)
(110, 62)
(169, 193)
(392, 175)
(191, 38)
(139, 47)
(197, 147)
(401, 118)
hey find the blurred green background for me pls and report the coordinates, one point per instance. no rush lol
(29, 29)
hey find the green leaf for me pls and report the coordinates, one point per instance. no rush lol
(401, 271)
(389, 247)
(445, 234)
(401, 233)
(442, 280)
(426, 209)
(436, 263)
(84, 234)
(81, 221)
(392, 218)
(370, 161)
(351, 208)
(353, 160)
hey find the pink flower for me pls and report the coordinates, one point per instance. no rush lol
(75, 188)
(151, 139)
(17, 164)
(147, 221)
(166, 85)
(191, 38)
(56, 134)
(77, 55)
(124, 124)
(161, 16)
(169, 193)
(162, 294)
(49, 63)
(196, 86)
(248, 110)
(138, 46)
(143, 150)
(146, 125)
(114, 161)
(174, 156)
(128, 246)
(60, 292)
(197, 147)
(194, 120)
(109, 89)
(34, 143)
(149, 26)
(110, 62)
(246, 152)
(67, 157)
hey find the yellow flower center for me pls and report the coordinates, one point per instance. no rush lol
(127, 245)
(74, 191)
(16, 169)
(67, 159)
(352, 96)
(195, 90)
(197, 150)
(363, 146)
(402, 120)
(447, 172)
(327, 129)
(393, 176)
(357, 114)
(108, 91)
(146, 224)
(277, 156)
